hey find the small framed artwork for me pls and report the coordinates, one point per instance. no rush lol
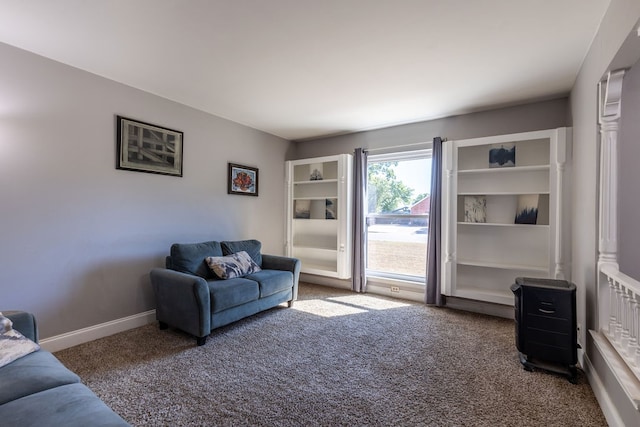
(144, 147)
(502, 155)
(302, 209)
(475, 209)
(242, 180)
(331, 209)
(527, 212)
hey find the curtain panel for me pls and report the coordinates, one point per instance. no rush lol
(359, 276)
(433, 295)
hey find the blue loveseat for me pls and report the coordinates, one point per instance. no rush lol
(190, 297)
(37, 390)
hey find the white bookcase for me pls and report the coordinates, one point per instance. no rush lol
(480, 260)
(319, 214)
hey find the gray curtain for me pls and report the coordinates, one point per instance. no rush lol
(359, 228)
(433, 295)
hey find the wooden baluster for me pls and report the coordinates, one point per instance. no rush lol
(613, 305)
(624, 335)
(633, 325)
(618, 328)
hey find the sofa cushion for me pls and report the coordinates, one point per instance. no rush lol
(272, 281)
(33, 373)
(232, 293)
(189, 257)
(252, 247)
(71, 405)
(235, 265)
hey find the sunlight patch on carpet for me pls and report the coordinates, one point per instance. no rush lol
(370, 303)
(346, 305)
(326, 308)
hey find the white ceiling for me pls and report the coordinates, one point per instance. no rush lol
(306, 68)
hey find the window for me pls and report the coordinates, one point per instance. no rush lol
(398, 187)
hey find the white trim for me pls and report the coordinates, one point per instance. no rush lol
(404, 292)
(618, 367)
(425, 153)
(600, 391)
(81, 336)
(401, 148)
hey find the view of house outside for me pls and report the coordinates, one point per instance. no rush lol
(397, 218)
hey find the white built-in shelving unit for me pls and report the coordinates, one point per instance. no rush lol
(319, 214)
(480, 260)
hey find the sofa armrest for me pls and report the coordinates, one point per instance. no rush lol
(274, 262)
(23, 322)
(182, 300)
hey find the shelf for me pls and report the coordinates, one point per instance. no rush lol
(314, 198)
(494, 224)
(503, 266)
(514, 169)
(500, 193)
(326, 168)
(317, 181)
(530, 151)
(504, 181)
(502, 209)
(313, 190)
(329, 250)
(315, 208)
(311, 220)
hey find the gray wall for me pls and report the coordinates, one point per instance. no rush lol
(617, 24)
(629, 196)
(78, 237)
(534, 116)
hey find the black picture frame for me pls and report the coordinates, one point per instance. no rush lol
(145, 147)
(242, 180)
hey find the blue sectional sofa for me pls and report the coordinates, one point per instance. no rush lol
(37, 390)
(190, 297)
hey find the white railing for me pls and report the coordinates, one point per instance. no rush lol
(623, 326)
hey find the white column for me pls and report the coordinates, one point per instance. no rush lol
(610, 104)
(449, 189)
(610, 110)
(560, 155)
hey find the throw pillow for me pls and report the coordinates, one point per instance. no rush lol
(13, 345)
(5, 324)
(235, 265)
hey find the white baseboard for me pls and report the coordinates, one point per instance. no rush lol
(81, 336)
(606, 404)
(482, 307)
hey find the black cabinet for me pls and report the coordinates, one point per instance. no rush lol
(546, 330)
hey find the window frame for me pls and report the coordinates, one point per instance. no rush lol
(399, 156)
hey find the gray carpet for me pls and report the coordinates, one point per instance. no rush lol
(336, 358)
